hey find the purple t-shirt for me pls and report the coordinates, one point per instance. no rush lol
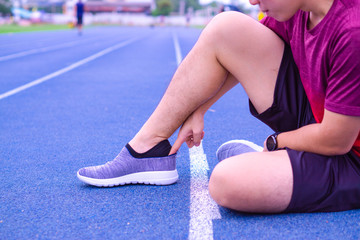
(328, 57)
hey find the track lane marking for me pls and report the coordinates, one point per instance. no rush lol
(45, 49)
(37, 50)
(67, 69)
(178, 54)
(202, 208)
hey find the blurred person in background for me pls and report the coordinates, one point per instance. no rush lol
(79, 8)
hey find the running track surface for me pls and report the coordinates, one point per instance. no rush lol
(69, 101)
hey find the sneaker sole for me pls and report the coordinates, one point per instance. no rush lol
(152, 178)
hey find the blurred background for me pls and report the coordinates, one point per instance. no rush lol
(118, 12)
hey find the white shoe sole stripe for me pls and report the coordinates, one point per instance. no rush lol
(154, 178)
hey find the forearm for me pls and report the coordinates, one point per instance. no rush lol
(334, 136)
(310, 139)
(192, 130)
(229, 83)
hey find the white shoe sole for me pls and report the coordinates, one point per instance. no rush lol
(153, 178)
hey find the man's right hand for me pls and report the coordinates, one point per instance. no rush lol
(191, 132)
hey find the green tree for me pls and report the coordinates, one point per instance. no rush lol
(188, 3)
(163, 7)
(193, 3)
(5, 7)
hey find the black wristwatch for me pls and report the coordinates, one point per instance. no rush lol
(271, 142)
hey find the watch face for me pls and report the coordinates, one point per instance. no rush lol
(271, 143)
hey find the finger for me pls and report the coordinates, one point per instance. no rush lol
(197, 138)
(190, 142)
(179, 141)
(265, 147)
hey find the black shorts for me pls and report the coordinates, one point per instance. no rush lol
(321, 183)
(79, 20)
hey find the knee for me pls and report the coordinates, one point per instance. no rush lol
(228, 19)
(239, 190)
(247, 184)
(217, 187)
(222, 25)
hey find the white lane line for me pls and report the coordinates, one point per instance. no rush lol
(67, 69)
(177, 49)
(40, 50)
(202, 208)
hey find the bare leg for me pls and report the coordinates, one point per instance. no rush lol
(79, 27)
(233, 43)
(253, 182)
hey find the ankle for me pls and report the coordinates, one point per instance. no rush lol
(142, 145)
(162, 149)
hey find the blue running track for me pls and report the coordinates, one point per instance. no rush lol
(68, 101)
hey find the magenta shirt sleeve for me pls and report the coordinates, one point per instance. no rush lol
(343, 90)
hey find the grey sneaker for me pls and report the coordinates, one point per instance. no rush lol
(125, 169)
(236, 147)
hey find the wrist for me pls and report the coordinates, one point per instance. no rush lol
(280, 141)
(201, 111)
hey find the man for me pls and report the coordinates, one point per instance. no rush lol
(79, 16)
(305, 86)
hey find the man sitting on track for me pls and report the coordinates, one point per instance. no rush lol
(300, 68)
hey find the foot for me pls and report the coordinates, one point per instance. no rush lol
(126, 169)
(236, 147)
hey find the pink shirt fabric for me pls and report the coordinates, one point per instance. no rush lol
(328, 58)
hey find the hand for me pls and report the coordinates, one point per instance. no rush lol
(265, 146)
(191, 132)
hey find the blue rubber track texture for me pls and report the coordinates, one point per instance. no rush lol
(85, 116)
